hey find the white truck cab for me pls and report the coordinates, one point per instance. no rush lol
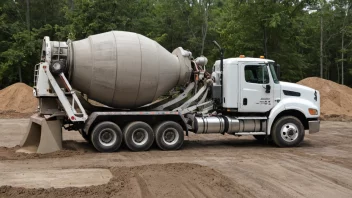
(250, 87)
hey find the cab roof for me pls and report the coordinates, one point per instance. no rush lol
(247, 59)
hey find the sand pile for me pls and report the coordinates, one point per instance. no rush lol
(156, 180)
(335, 99)
(17, 99)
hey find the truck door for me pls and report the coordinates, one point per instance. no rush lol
(256, 94)
(276, 84)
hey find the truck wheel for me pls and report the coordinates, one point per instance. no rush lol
(169, 135)
(288, 131)
(138, 136)
(106, 137)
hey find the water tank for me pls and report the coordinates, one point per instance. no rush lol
(124, 69)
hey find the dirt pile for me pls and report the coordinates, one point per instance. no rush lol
(17, 100)
(157, 180)
(70, 148)
(335, 99)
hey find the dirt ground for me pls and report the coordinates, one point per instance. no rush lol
(207, 166)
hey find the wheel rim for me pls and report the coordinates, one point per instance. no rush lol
(139, 136)
(107, 137)
(289, 132)
(170, 136)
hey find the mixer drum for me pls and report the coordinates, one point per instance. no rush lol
(125, 69)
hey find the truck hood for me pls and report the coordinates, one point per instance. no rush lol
(295, 87)
(304, 92)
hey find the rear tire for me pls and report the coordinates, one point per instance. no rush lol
(106, 137)
(169, 135)
(138, 136)
(288, 131)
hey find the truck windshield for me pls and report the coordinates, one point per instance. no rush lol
(273, 73)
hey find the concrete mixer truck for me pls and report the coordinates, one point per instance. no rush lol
(152, 96)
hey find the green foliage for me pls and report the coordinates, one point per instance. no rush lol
(282, 30)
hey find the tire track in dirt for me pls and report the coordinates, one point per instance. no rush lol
(144, 181)
(320, 166)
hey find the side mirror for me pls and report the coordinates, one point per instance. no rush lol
(267, 88)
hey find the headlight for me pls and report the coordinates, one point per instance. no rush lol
(313, 111)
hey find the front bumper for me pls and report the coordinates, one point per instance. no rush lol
(314, 126)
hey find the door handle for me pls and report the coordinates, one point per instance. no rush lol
(245, 101)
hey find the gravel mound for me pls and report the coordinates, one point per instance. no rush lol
(335, 99)
(16, 100)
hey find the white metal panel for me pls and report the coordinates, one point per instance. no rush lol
(276, 88)
(277, 92)
(216, 66)
(307, 97)
(42, 86)
(230, 85)
(247, 59)
(257, 99)
(293, 103)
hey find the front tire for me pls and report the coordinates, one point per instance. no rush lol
(138, 136)
(288, 131)
(106, 137)
(169, 135)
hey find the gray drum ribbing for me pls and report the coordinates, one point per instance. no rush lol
(125, 69)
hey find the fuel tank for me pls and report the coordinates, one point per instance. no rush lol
(124, 69)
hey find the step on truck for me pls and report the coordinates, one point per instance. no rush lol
(144, 94)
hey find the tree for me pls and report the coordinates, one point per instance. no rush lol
(304, 43)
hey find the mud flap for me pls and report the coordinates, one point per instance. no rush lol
(42, 136)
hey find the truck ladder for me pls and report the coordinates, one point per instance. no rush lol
(36, 73)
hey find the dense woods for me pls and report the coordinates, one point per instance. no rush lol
(303, 36)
